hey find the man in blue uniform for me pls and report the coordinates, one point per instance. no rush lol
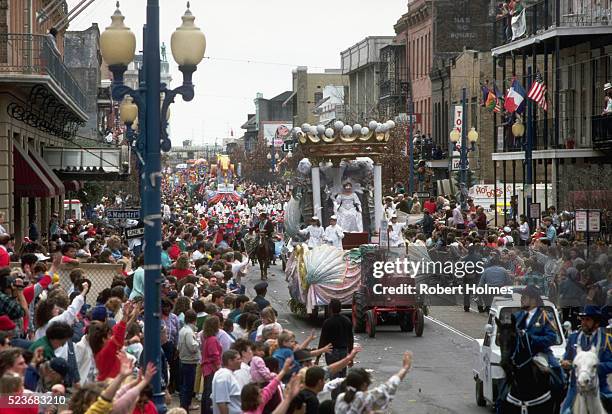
(534, 321)
(590, 335)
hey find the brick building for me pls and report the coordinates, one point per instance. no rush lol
(434, 32)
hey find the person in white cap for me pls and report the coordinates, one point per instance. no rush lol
(315, 233)
(396, 232)
(607, 99)
(334, 233)
(507, 238)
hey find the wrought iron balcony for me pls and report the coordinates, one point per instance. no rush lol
(602, 132)
(30, 55)
(544, 15)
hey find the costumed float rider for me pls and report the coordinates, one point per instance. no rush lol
(315, 233)
(534, 322)
(347, 208)
(266, 227)
(590, 335)
(334, 233)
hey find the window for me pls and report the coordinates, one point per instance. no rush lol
(318, 96)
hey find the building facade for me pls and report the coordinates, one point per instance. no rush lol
(566, 149)
(361, 63)
(308, 92)
(434, 32)
(41, 106)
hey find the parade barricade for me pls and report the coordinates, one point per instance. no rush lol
(100, 274)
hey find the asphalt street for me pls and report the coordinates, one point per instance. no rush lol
(440, 381)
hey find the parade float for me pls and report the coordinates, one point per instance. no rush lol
(221, 185)
(342, 176)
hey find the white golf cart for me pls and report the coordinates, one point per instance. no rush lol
(487, 355)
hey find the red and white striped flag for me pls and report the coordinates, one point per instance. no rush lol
(537, 93)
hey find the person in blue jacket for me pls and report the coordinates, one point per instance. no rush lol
(590, 334)
(537, 324)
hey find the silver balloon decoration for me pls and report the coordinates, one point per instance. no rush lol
(320, 129)
(365, 131)
(338, 125)
(373, 125)
(347, 130)
(305, 127)
(390, 124)
(357, 129)
(329, 132)
(312, 130)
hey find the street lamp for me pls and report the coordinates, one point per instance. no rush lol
(118, 46)
(518, 128)
(455, 136)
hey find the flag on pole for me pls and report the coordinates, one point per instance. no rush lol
(491, 101)
(485, 94)
(537, 93)
(515, 97)
(499, 101)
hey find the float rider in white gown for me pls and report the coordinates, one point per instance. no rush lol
(347, 207)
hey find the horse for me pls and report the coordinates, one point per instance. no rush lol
(262, 251)
(587, 399)
(527, 388)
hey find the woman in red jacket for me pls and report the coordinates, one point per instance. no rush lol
(211, 359)
(107, 362)
(181, 268)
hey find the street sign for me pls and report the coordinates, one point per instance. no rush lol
(535, 210)
(123, 214)
(581, 220)
(134, 232)
(288, 145)
(424, 194)
(594, 221)
(456, 164)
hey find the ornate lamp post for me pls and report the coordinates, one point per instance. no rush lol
(118, 45)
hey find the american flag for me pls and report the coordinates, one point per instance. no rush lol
(537, 93)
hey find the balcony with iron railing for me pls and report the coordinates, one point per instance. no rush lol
(544, 15)
(25, 57)
(574, 134)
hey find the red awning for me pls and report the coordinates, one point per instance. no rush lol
(44, 168)
(29, 180)
(73, 185)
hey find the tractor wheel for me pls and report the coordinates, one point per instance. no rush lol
(370, 322)
(480, 399)
(404, 319)
(419, 322)
(359, 312)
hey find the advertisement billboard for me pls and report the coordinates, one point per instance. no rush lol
(277, 132)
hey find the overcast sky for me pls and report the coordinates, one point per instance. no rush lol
(252, 46)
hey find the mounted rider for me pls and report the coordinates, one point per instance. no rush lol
(590, 335)
(266, 227)
(534, 325)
